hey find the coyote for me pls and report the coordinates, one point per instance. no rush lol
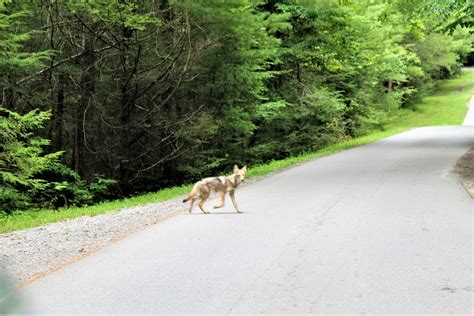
(203, 188)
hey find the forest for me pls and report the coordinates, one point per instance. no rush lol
(104, 99)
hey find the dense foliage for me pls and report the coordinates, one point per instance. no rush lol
(155, 93)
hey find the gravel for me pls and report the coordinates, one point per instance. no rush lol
(28, 254)
(465, 171)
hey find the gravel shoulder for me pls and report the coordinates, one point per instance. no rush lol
(465, 171)
(29, 254)
(465, 166)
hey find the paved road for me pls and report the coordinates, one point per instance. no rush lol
(383, 228)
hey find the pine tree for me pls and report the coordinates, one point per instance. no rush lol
(21, 152)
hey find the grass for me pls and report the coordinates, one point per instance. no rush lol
(446, 106)
(34, 218)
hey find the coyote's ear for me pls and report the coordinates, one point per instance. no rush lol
(244, 169)
(236, 168)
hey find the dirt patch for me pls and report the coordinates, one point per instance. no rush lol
(465, 171)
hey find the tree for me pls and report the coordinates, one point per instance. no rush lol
(21, 153)
(21, 157)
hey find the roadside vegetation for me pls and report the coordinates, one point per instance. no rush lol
(447, 105)
(104, 100)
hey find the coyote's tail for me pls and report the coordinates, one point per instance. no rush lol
(191, 194)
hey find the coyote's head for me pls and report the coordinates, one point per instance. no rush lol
(239, 174)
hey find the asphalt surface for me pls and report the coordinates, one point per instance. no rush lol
(383, 228)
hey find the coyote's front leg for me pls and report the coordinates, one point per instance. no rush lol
(232, 197)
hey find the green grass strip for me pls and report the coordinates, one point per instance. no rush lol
(446, 106)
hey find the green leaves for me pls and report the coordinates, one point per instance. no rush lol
(115, 13)
(12, 59)
(21, 157)
(23, 165)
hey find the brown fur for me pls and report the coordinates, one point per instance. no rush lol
(222, 185)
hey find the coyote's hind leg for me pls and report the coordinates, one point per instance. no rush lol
(191, 205)
(202, 201)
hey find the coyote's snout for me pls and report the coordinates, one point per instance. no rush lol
(203, 189)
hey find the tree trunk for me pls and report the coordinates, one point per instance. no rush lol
(58, 115)
(390, 86)
(126, 103)
(84, 158)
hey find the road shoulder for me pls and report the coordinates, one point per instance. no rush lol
(465, 171)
